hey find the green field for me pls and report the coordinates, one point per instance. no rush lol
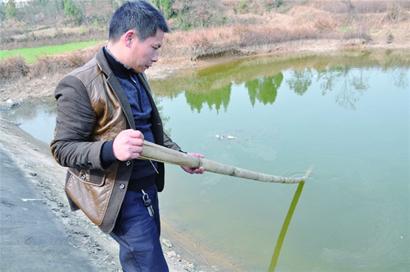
(30, 55)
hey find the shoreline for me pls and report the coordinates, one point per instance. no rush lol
(33, 157)
(299, 48)
(10, 91)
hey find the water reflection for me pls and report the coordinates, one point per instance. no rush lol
(401, 79)
(165, 118)
(347, 78)
(348, 84)
(214, 98)
(265, 89)
(300, 81)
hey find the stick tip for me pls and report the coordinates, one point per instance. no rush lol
(308, 173)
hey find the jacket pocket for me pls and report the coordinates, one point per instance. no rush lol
(93, 177)
(90, 191)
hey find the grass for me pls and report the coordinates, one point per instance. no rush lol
(30, 55)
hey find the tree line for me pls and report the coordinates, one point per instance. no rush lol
(183, 14)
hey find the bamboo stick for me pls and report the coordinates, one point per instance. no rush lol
(159, 153)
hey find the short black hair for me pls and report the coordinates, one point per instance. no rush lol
(139, 15)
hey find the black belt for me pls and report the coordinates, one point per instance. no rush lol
(141, 183)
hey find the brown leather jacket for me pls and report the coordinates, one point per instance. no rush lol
(91, 109)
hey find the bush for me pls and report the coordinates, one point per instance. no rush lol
(73, 11)
(393, 13)
(10, 9)
(13, 68)
(165, 6)
(191, 14)
(53, 64)
(251, 36)
(2, 12)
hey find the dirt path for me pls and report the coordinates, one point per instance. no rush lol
(36, 164)
(33, 239)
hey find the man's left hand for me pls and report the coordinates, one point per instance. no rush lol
(198, 170)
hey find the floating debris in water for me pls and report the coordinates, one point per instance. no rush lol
(11, 104)
(32, 199)
(225, 137)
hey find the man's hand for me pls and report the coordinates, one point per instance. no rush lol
(128, 145)
(198, 170)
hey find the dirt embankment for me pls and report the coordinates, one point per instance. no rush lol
(34, 159)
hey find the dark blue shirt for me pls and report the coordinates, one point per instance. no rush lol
(141, 110)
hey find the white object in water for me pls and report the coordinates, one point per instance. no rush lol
(223, 137)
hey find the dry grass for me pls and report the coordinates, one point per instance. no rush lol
(50, 64)
(200, 42)
(13, 68)
(299, 23)
(51, 36)
(270, 29)
(357, 6)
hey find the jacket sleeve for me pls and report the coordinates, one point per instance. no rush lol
(170, 144)
(72, 145)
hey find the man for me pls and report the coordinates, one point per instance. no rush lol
(104, 113)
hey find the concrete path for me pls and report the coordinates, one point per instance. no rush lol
(31, 238)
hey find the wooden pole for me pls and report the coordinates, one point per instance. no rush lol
(159, 153)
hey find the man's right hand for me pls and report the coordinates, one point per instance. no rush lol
(128, 145)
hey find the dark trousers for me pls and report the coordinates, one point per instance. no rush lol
(138, 234)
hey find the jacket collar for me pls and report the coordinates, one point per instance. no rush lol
(115, 86)
(119, 69)
(102, 62)
(105, 66)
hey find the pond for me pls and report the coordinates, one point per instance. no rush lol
(345, 116)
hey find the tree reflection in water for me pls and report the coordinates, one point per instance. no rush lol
(301, 81)
(262, 89)
(265, 89)
(350, 84)
(214, 98)
(345, 75)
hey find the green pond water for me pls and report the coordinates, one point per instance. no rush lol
(346, 116)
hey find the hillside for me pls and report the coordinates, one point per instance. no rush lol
(204, 30)
(40, 22)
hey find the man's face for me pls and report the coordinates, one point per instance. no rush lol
(143, 54)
